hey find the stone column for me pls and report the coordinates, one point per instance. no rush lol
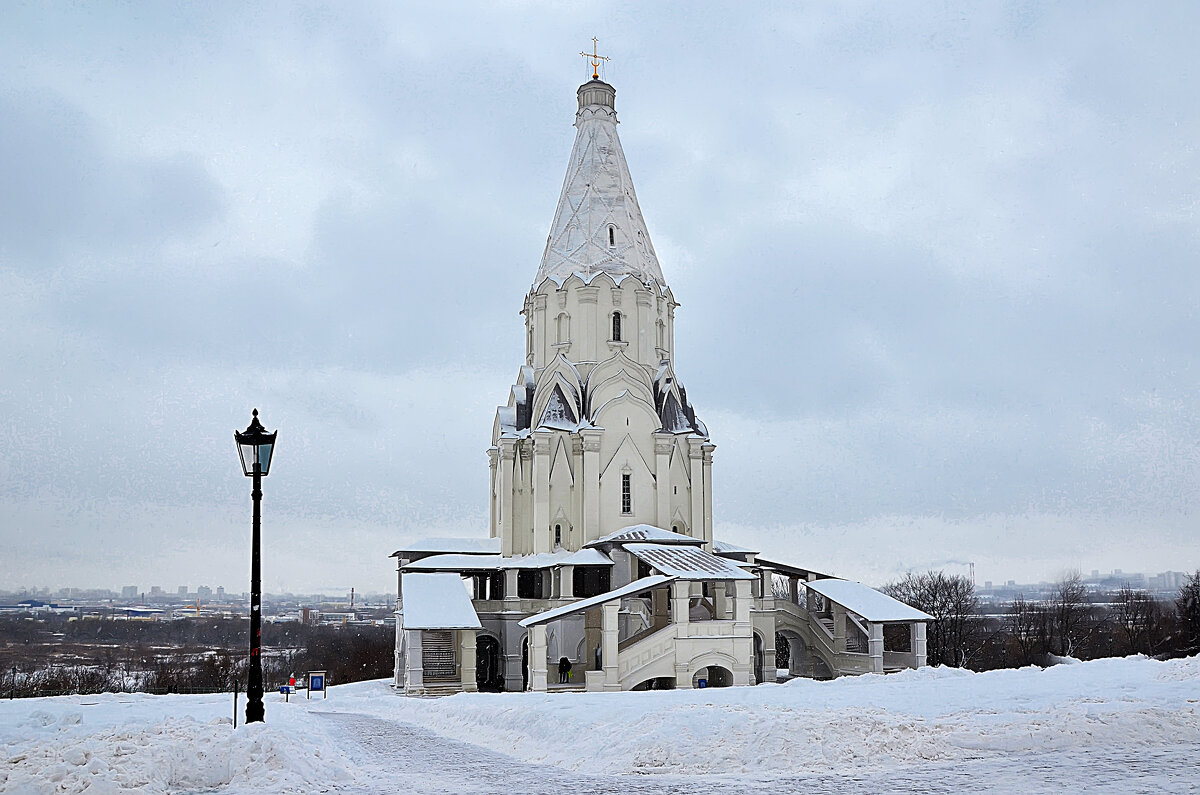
(591, 485)
(566, 582)
(510, 585)
(720, 602)
(680, 595)
(662, 478)
(794, 590)
(839, 627)
(414, 670)
(917, 641)
(741, 603)
(543, 540)
(508, 454)
(609, 635)
(537, 658)
(466, 654)
(398, 669)
(875, 646)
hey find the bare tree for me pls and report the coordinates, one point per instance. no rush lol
(951, 638)
(1069, 606)
(1187, 608)
(1139, 620)
(1029, 625)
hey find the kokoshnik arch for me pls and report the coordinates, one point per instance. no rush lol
(600, 565)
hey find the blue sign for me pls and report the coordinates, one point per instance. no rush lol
(702, 683)
(316, 682)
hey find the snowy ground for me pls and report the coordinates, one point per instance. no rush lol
(1128, 725)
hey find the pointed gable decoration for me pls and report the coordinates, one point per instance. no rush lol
(558, 413)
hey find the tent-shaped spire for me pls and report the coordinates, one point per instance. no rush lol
(598, 225)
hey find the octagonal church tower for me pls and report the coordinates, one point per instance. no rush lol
(598, 433)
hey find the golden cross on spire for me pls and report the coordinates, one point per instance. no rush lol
(594, 58)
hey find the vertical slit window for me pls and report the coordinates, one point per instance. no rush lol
(612, 237)
(616, 326)
(626, 495)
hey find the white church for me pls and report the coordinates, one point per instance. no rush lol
(600, 571)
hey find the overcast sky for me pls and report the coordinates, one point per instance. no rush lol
(937, 267)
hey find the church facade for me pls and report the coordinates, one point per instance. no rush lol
(600, 570)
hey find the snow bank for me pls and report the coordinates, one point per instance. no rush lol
(158, 744)
(123, 743)
(861, 723)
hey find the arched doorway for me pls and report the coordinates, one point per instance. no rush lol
(488, 675)
(759, 663)
(525, 663)
(713, 676)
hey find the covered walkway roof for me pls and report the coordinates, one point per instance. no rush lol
(637, 586)
(437, 601)
(688, 563)
(866, 601)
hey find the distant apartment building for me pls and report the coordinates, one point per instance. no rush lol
(221, 592)
(129, 592)
(183, 591)
(203, 592)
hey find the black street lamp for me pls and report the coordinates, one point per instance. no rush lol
(255, 446)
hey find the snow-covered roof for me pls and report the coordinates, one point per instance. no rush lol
(688, 563)
(462, 546)
(588, 557)
(455, 563)
(644, 532)
(545, 560)
(598, 224)
(437, 601)
(636, 586)
(866, 601)
(725, 548)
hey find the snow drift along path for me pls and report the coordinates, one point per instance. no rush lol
(1129, 724)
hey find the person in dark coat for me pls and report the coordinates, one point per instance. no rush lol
(564, 670)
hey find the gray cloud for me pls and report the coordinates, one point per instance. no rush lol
(947, 260)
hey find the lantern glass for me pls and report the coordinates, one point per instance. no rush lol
(255, 447)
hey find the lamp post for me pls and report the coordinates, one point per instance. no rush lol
(255, 446)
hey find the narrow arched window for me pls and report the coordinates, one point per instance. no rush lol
(612, 237)
(626, 495)
(616, 327)
(558, 535)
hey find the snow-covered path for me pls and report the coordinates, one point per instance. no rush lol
(388, 756)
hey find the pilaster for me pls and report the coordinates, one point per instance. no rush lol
(662, 477)
(543, 540)
(508, 454)
(588, 299)
(708, 508)
(591, 485)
